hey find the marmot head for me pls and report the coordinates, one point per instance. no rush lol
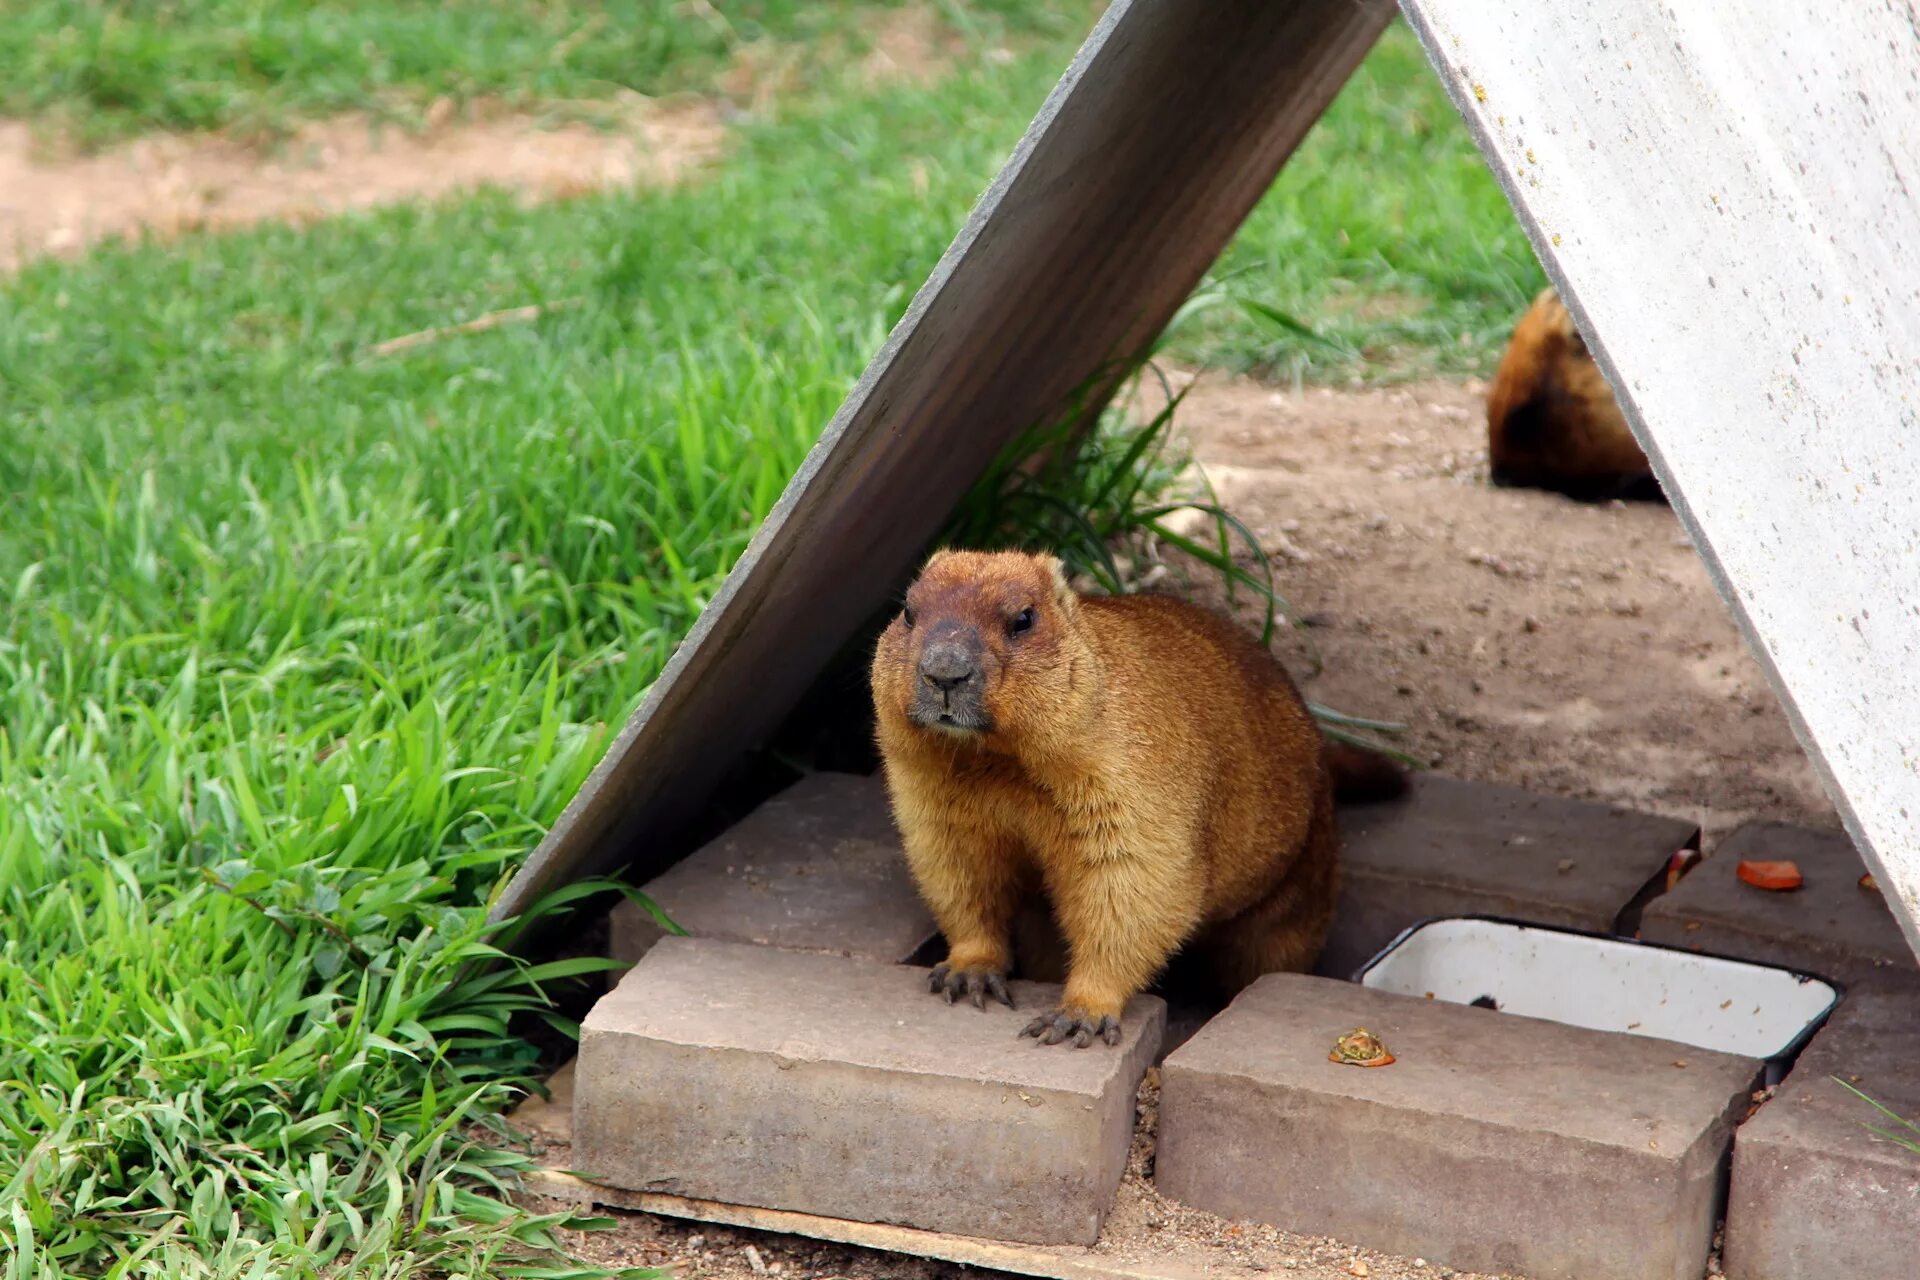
(978, 647)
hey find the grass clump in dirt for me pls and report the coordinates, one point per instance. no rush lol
(1113, 494)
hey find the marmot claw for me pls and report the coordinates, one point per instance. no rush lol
(1052, 1028)
(950, 984)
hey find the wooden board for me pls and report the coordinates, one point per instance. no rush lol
(1727, 194)
(550, 1120)
(1065, 1262)
(1171, 122)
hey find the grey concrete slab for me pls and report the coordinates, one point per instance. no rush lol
(1816, 1194)
(1467, 848)
(841, 1087)
(816, 868)
(1493, 1143)
(1829, 926)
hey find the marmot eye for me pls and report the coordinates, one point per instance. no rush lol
(1022, 621)
(906, 616)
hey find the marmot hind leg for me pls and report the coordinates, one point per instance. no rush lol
(1285, 931)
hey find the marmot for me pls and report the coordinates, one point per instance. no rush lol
(1552, 420)
(1143, 762)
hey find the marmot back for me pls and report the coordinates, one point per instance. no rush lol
(1141, 762)
(1553, 422)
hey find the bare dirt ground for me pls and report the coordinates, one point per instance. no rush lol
(57, 203)
(1525, 639)
(166, 185)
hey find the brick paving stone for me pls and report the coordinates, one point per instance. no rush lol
(1467, 848)
(843, 1088)
(1493, 1143)
(1830, 926)
(816, 868)
(1816, 1194)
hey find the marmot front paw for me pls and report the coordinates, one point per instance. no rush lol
(1078, 1024)
(976, 984)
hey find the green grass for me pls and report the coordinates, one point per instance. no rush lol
(1385, 250)
(301, 649)
(106, 68)
(1904, 1132)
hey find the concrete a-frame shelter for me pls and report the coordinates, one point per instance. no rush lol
(1726, 193)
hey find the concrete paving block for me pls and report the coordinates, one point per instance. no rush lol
(1829, 926)
(841, 1087)
(1815, 1194)
(816, 868)
(1468, 848)
(1493, 1143)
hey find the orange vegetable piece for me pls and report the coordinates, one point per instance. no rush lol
(1360, 1048)
(1678, 865)
(1778, 877)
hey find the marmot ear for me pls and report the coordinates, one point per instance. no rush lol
(1063, 593)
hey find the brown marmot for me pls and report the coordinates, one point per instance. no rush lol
(1143, 762)
(1552, 420)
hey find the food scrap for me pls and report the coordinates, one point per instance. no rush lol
(1776, 877)
(1868, 883)
(1679, 864)
(1360, 1048)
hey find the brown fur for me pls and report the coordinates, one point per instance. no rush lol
(1142, 763)
(1552, 420)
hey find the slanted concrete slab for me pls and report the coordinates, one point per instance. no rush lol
(842, 1088)
(1815, 1194)
(1829, 926)
(1466, 848)
(816, 868)
(1494, 1143)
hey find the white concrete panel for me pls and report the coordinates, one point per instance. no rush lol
(1727, 194)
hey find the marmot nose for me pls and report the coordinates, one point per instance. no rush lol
(946, 666)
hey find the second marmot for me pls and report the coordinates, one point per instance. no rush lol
(1142, 762)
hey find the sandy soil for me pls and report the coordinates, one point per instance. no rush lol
(1524, 638)
(169, 184)
(166, 184)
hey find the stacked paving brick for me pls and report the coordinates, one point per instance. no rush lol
(816, 868)
(810, 1071)
(1494, 1143)
(1831, 926)
(1817, 1193)
(842, 1088)
(1814, 1192)
(1461, 848)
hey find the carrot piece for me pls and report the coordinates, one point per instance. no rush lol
(1778, 877)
